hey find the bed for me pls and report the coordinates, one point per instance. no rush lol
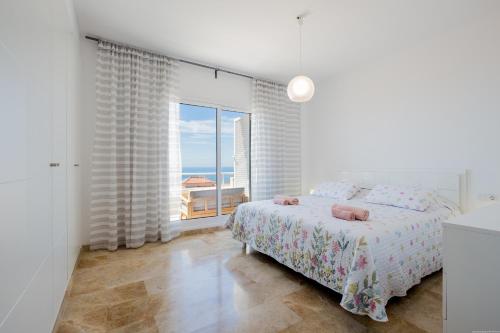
(367, 262)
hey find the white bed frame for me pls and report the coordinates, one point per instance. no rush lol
(453, 185)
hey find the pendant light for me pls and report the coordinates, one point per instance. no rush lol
(300, 88)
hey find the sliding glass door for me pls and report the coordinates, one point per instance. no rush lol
(215, 155)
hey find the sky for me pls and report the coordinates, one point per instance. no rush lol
(198, 135)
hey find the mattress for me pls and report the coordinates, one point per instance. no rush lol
(367, 262)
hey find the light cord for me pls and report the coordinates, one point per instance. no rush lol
(300, 21)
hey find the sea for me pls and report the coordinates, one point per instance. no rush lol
(209, 172)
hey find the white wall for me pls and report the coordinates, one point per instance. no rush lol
(89, 60)
(434, 105)
(39, 213)
(196, 85)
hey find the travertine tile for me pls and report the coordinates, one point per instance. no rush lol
(204, 282)
(319, 313)
(428, 316)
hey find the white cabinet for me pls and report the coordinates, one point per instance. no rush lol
(471, 295)
(39, 230)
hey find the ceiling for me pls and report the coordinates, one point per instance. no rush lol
(260, 37)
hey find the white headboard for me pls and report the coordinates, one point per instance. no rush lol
(452, 185)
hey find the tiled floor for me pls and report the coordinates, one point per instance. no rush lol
(206, 283)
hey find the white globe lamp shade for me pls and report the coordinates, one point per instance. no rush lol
(300, 89)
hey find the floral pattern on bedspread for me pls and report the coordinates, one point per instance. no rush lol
(367, 262)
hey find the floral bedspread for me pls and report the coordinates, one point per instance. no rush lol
(367, 262)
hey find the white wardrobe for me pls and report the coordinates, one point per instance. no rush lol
(39, 205)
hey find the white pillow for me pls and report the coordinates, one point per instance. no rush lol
(400, 196)
(336, 190)
(362, 193)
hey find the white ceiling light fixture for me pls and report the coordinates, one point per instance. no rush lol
(300, 88)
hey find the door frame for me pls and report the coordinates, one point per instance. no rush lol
(219, 219)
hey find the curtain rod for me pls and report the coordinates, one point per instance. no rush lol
(215, 69)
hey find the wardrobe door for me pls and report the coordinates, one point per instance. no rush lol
(73, 144)
(59, 164)
(25, 181)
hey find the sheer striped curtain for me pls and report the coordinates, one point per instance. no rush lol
(275, 142)
(136, 170)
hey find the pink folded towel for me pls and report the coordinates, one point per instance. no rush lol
(359, 213)
(343, 214)
(285, 200)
